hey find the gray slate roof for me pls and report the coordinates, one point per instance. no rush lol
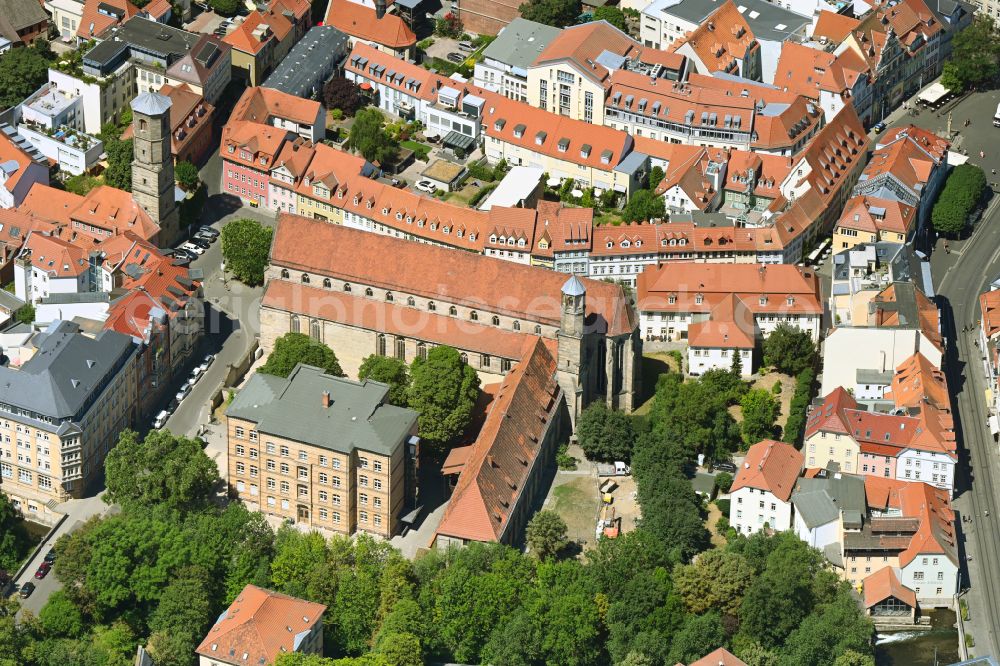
(767, 21)
(520, 43)
(151, 104)
(310, 62)
(19, 14)
(65, 372)
(357, 418)
(819, 501)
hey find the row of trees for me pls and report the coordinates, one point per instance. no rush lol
(442, 388)
(962, 192)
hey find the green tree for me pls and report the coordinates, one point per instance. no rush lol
(61, 617)
(696, 637)
(615, 17)
(185, 607)
(655, 176)
(604, 434)
(246, 244)
(546, 534)
(294, 348)
(22, 72)
(160, 470)
(387, 370)
(643, 206)
(225, 7)
(789, 349)
(718, 580)
(342, 93)
(298, 560)
(119, 171)
(557, 13)
(14, 539)
(401, 649)
(443, 390)
(975, 57)
(448, 25)
(760, 411)
(723, 481)
(853, 658)
(369, 137)
(962, 192)
(26, 314)
(736, 365)
(81, 184)
(834, 631)
(187, 175)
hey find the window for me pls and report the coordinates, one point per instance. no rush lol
(269, 447)
(421, 351)
(431, 306)
(323, 461)
(347, 286)
(270, 484)
(253, 471)
(327, 283)
(410, 301)
(388, 296)
(239, 432)
(305, 278)
(453, 311)
(377, 484)
(284, 486)
(270, 465)
(363, 481)
(284, 468)
(240, 451)
(484, 361)
(474, 316)
(240, 468)
(284, 451)
(363, 499)
(377, 466)
(322, 513)
(538, 329)
(253, 452)
(303, 473)
(369, 292)
(363, 516)
(495, 321)
(323, 478)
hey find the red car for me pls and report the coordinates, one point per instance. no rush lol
(43, 570)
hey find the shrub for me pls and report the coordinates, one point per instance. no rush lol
(800, 403)
(723, 505)
(776, 389)
(565, 461)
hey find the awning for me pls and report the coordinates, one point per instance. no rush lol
(458, 140)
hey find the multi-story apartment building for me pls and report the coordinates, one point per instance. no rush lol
(373, 26)
(868, 220)
(61, 412)
(21, 168)
(504, 65)
(722, 43)
(762, 490)
(832, 78)
(323, 451)
(265, 36)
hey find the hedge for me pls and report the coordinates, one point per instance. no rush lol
(800, 403)
(961, 193)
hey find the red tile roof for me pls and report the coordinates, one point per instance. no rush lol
(50, 204)
(131, 314)
(771, 466)
(834, 153)
(115, 211)
(719, 657)
(989, 303)
(55, 256)
(722, 40)
(357, 20)
(883, 584)
(830, 415)
(11, 152)
(935, 534)
(527, 292)
(261, 105)
(260, 624)
(877, 215)
(242, 38)
(501, 462)
(834, 27)
(918, 381)
(582, 44)
(96, 20)
(730, 326)
(157, 9)
(258, 140)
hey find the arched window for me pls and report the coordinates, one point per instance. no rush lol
(347, 286)
(284, 273)
(453, 311)
(305, 278)
(538, 329)
(380, 344)
(422, 351)
(142, 125)
(315, 330)
(432, 306)
(474, 316)
(464, 358)
(411, 301)
(495, 320)
(369, 292)
(388, 296)
(401, 349)
(517, 326)
(327, 283)
(293, 324)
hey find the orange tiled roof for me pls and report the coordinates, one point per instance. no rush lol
(157, 9)
(521, 291)
(260, 624)
(260, 105)
(835, 152)
(96, 19)
(242, 38)
(259, 141)
(883, 584)
(834, 27)
(50, 204)
(989, 303)
(771, 466)
(719, 657)
(722, 40)
(188, 112)
(56, 257)
(582, 44)
(807, 71)
(830, 415)
(11, 152)
(917, 381)
(114, 211)
(914, 499)
(730, 326)
(357, 20)
(501, 461)
(928, 315)
(875, 214)
(131, 314)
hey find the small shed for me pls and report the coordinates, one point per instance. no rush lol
(445, 175)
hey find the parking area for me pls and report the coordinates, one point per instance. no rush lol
(206, 23)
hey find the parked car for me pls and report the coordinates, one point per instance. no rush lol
(425, 186)
(203, 237)
(203, 243)
(43, 570)
(195, 373)
(183, 254)
(879, 127)
(204, 367)
(191, 247)
(724, 466)
(208, 231)
(50, 556)
(27, 589)
(209, 359)
(184, 391)
(161, 419)
(456, 57)
(466, 46)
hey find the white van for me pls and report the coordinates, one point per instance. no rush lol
(466, 46)
(161, 419)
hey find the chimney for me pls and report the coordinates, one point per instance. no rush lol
(379, 8)
(326, 400)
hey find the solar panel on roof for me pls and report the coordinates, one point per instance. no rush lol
(207, 54)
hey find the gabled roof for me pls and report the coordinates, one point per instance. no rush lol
(50, 204)
(115, 211)
(989, 303)
(771, 466)
(259, 626)
(914, 499)
(730, 326)
(834, 27)
(883, 584)
(502, 459)
(583, 44)
(441, 273)
(361, 22)
(834, 153)
(830, 415)
(17, 15)
(14, 162)
(55, 256)
(875, 214)
(918, 381)
(260, 105)
(132, 315)
(242, 38)
(719, 657)
(99, 15)
(196, 66)
(722, 40)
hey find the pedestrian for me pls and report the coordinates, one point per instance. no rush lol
(982, 154)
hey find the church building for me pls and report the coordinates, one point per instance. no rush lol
(363, 294)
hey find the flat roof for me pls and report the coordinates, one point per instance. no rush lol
(49, 100)
(767, 21)
(515, 187)
(520, 43)
(148, 36)
(442, 171)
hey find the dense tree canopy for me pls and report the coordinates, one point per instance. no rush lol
(187, 176)
(558, 13)
(643, 206)
(616, 17)
(342, 93)
(975, 56)
(387, 370)
(22, 72)
(294, 348)
(119, 171)
(369, 137)
(443, 390)
(789, 349)
(605, 434)
(546, 534)
(14, 540)
(760, 411)
(962, 192)
(246, 244)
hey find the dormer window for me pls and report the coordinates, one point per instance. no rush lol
(540, 138)
(699, 298)
(498, 125)
(385, 210)
(610, 245)
(409, 219)
(371, 204)
(671, 299)
(388, 296)
(625, 243)
(763, 299)
(357, 200)
(519, 131)
(638, 243)
(790, 300)
(399, 216)
(520, 242)
(232, 149)
(493, 238)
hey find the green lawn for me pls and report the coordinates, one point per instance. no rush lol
(608, 218)
(420, 150)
